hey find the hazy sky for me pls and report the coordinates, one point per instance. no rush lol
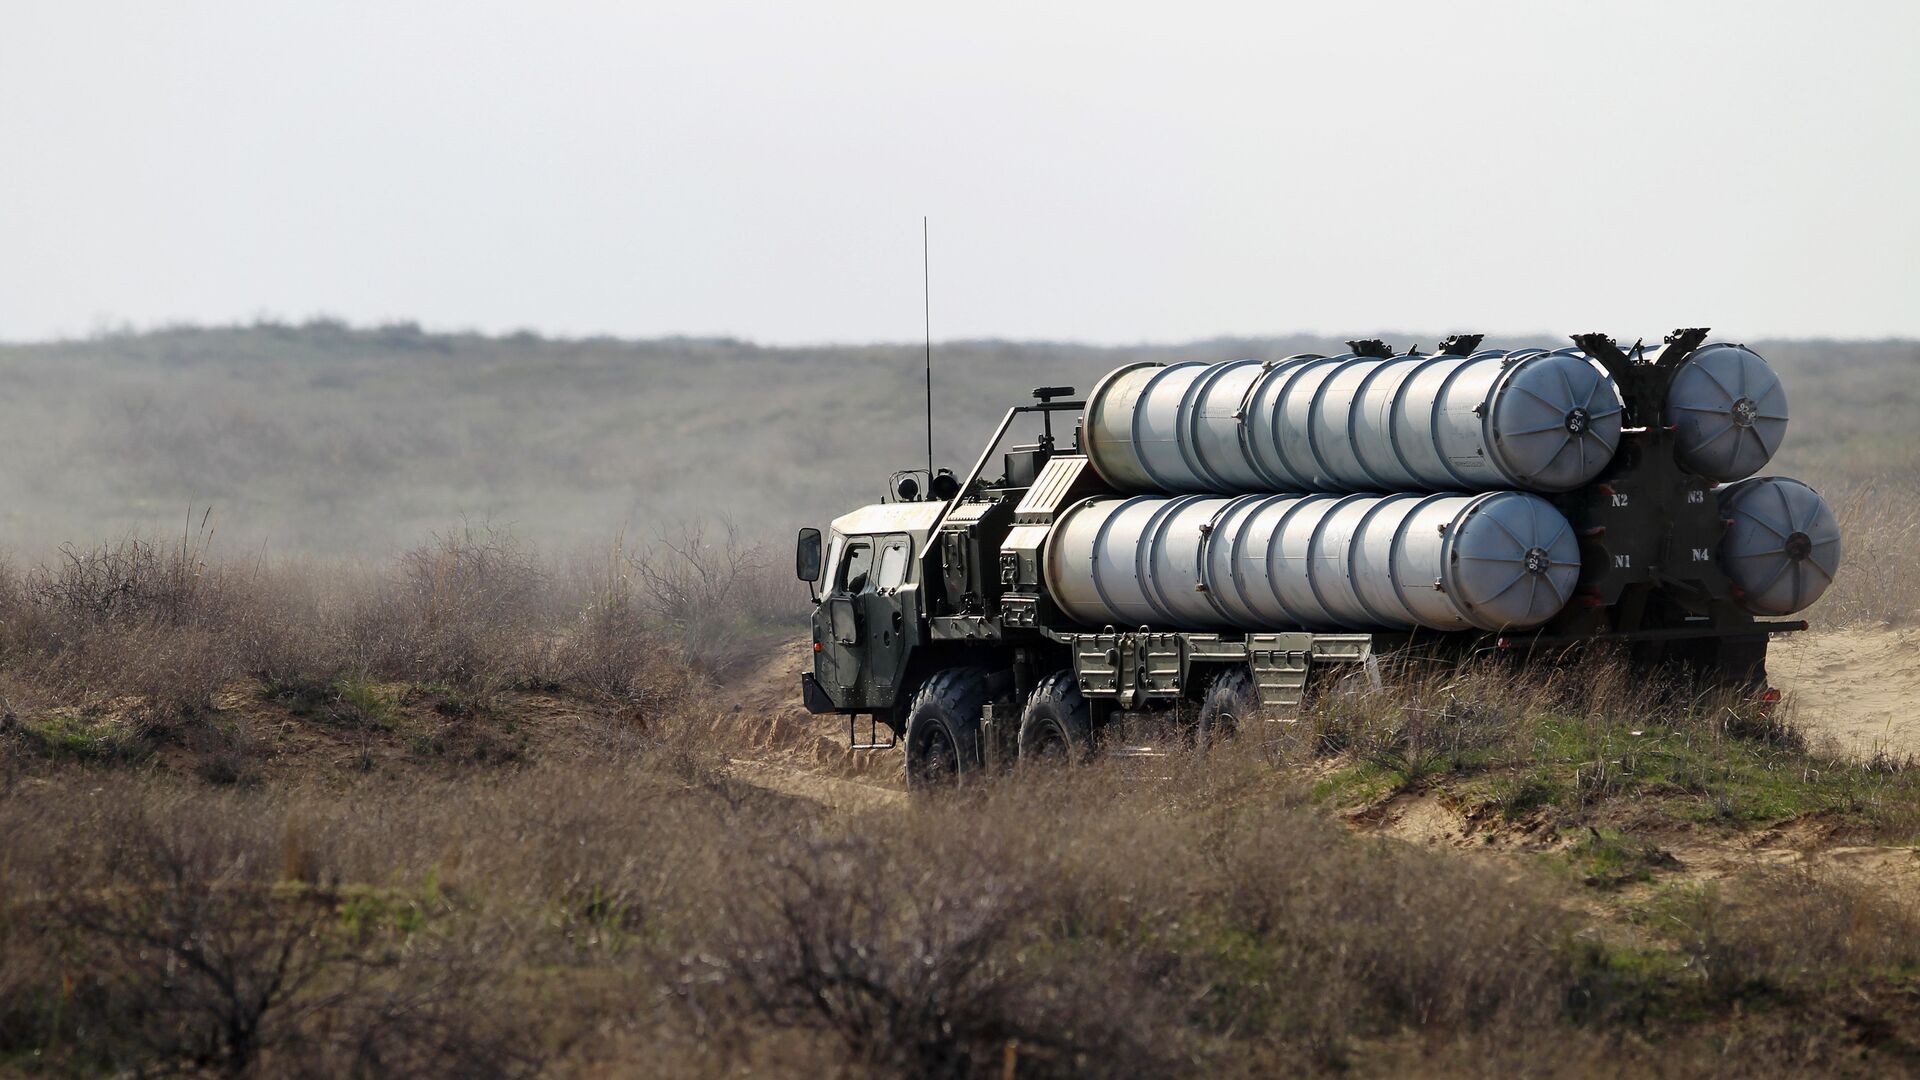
(1095, 172)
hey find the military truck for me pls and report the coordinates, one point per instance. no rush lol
(1217, 534)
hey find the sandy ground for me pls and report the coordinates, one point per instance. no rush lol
(1427, 819)
(803, 782)
(1860, 687)
(776, 744)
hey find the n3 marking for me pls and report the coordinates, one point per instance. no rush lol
(1696, 496)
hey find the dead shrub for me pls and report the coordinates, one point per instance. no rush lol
(917, 968)
(613, 651)
(130, 619)
(1371, 938)
(1768, 931)
(284, 624)
(716, 598)
(1422, 720)
(170, 946)
(133, 579)
(466, 607)
(156, 635)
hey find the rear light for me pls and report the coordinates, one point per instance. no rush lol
(816, 646)
(1770, 695)
(1501, 644)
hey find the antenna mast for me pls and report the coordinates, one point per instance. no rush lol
(926, 311)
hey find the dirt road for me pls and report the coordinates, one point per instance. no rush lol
(1859, 687)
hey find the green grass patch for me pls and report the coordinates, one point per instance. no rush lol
(452, 702)
(1357, 784)
(364, 702)
(1607, 859)
(1243, 973)
(386, 911)
(1700, 769)
(350, 700)
(1518, 796)
(66, 737)
(1616, 982)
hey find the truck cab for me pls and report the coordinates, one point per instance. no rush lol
(871, 605)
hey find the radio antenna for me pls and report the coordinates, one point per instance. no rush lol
(926, 312)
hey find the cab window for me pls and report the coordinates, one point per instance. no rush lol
(836, 551)
(857, 567)
(893, 564)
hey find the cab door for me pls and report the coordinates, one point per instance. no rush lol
(888, 614)
(839, 624)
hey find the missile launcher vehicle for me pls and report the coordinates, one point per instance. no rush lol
(1215, 534)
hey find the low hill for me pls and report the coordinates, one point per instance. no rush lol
(329, 439)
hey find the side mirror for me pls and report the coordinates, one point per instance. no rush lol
(806, 556)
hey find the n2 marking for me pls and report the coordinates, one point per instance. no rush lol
(1619, 498)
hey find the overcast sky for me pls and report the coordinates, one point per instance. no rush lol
(1093, 172)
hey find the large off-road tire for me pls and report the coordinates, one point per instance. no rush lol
(943, 728)
(1232, 702)
(1057, 725)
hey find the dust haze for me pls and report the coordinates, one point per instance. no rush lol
(329, 439)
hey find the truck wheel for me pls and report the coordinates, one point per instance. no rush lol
(943, 728)
(1056, 726)
(1232, 701)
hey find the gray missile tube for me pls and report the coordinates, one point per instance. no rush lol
(1531, 421)
(1496, 561)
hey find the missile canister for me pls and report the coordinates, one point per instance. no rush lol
(1783, 546)
(1728, 410)
(1496, 561)
(1534, 421)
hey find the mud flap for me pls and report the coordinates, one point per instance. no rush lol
(814, 696)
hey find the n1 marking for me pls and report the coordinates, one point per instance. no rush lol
(1623, 562)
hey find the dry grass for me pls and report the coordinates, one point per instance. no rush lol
(644, 910)
(718, 922)
(1776, 929)
(108, 652)
(1879, 581)
(720, 597)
